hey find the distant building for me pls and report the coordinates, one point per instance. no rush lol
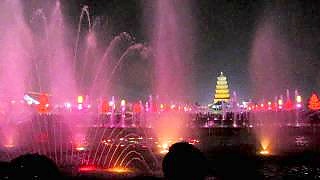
(222, 93)
(221, 98)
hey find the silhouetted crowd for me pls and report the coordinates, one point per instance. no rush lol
(183, 161)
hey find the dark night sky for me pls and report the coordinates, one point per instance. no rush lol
(224, 34)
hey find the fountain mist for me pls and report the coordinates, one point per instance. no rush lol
(172, 57)
(270, 71)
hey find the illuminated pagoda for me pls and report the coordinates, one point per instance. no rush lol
(222, 90)
(221, 96)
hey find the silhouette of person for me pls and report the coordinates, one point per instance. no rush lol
(184, 161)
(34, 166)
(4, 170)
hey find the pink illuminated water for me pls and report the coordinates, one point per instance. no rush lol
(62, 79)
(15, 52)
(171, 41)
(270, 73)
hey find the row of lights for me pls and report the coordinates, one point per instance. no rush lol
(279, 105)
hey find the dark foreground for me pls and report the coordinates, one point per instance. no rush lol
(232, 164)
(231, 153)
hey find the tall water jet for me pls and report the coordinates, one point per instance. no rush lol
(67, 129)
(172, 47)
(269, 69)
(61, 75)
(103, 66)
(15, 57)
(84, 12)
(16, 50)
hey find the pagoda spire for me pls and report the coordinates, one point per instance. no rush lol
(222, 89)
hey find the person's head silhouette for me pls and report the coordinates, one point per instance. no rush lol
(34, 166)
(184, 161)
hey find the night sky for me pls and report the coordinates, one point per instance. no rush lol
(224, 32)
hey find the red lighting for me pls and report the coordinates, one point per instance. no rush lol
(104, 107)
(43, 106)
(154, 108)
(137, 108)
(288, 105)
(87, 168)
(314, 103)
(274, 106)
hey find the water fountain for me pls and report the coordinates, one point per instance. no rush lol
(172, 52)
(43, 46)
(270, 55)
(73, 114)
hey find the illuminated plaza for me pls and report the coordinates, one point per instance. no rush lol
(107, 87)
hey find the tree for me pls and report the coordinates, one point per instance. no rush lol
(314, 102)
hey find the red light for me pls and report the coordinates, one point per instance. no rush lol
(87, 168)
(314, 103)
(43, 99)
(104, 107)
(43, 106)
(154, 108)
(137, 108)
(288, 105)
(274, 106)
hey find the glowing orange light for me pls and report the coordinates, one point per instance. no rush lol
(264, 143)
(119, 170)
(164, 151)
(280, 102)
(265, 146)
(164, 147)
(314, 102)
(264, 152)
(80, 99)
